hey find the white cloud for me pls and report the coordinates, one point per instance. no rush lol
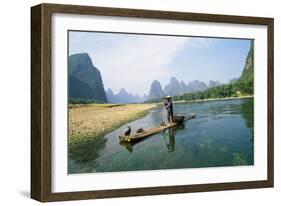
(132, 61)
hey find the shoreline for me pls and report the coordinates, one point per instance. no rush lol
(213, 99)
(89, 122)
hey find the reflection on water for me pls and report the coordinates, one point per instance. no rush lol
(171, 140)
(220, 135)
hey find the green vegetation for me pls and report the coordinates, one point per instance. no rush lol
(248, 71)
(83, 101)
(237, 89)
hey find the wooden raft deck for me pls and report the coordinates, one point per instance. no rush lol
(151, 131)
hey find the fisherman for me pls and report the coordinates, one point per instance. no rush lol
(168, 104)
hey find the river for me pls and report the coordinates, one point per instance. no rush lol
(220, 135)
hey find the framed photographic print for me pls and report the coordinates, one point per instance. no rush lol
(130, 102)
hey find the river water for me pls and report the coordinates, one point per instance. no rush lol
(220, 135)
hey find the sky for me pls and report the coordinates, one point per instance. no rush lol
(134, 61)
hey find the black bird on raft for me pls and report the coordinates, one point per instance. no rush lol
(162, 123)
(127, 131)
(140, 130)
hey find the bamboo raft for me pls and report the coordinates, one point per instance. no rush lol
(178, 119)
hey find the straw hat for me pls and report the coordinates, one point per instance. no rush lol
(168, 97)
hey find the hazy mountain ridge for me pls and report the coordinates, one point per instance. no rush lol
(175, 87)
(123, 97)
(214, 83)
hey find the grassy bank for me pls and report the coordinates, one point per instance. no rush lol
(89, 121)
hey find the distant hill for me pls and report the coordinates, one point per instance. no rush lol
(214, 83)
(123, 97)
(156, 91)
(85, 81)
(197, 85)
(233, 80)
(110, 96)
(185, 88)
(248, 71)
(177, 88)
(174, 87)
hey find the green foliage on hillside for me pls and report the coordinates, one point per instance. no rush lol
(237, 89)
(248, 71)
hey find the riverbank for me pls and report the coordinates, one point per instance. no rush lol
(214, 99)
(88, 121)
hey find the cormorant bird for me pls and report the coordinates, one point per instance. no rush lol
(127, 131)
(140, 130)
